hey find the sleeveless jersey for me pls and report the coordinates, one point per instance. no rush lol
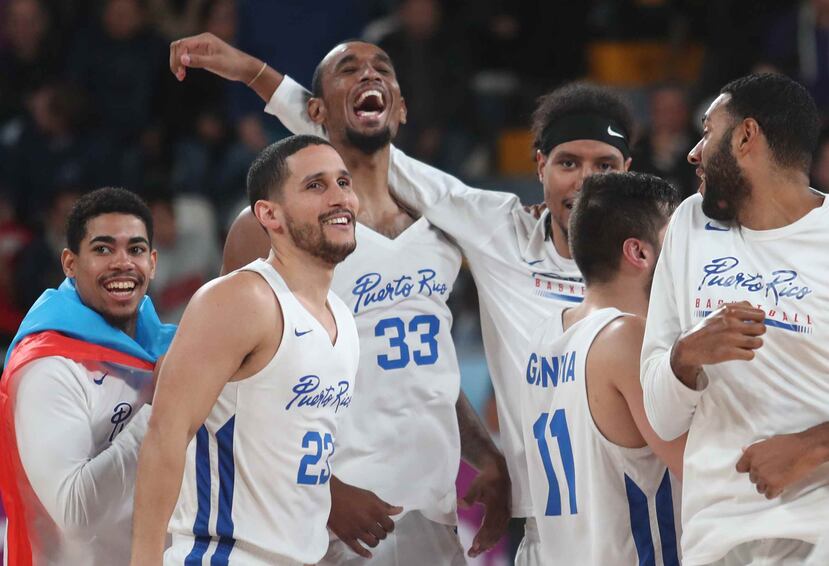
(255, 488)
(595, 502)
(400, 439)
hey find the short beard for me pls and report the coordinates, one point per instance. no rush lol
(310, 239)
(368, 143)
(724, 183)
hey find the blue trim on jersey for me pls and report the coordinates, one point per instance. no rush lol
(665, 520)
(640, 523)
(227, 475)
(203, 498)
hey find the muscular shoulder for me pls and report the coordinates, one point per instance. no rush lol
(241, 300)
(615, 351)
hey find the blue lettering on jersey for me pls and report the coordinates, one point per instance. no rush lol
(720, 272)
(370, 288)
(120, 414)
(306, 394)
(544, 371)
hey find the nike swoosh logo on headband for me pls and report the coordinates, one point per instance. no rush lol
(610, 132)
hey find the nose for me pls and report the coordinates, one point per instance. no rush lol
(694, 154)
(369, 73)
(121, 260)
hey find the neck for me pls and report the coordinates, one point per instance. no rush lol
(306, 276)
(127, 326)
(370, 174)
(778, 198)
(624, 293)
(560, 242)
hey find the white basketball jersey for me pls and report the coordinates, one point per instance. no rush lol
(400, 439)
(255, 488)
(596, 503)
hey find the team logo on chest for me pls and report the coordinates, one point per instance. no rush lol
(763, 290)
(372, 288)
(308, 393)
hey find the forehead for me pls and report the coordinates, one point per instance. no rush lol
(718, 110)
(115, 225)
(357, 51)
(314, 159)
(587, 150)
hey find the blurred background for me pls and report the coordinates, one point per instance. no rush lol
(87, 100)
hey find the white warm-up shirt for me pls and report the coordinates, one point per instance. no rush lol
(78, 427)
(784, 389)
(521, 280)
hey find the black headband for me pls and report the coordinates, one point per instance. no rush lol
(584, 127)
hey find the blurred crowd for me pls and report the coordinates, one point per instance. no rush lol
(87, 99)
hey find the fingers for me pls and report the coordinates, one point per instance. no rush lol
(358, 548)
(378, 531)
(744, 463)
(189, 52)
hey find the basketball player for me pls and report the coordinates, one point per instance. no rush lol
(396, 284)
(255, 381)
(601, 490)
(75, 391)
(735, 350)
(521, 265)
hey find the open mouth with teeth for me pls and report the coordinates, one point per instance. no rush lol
(121, 288)
(339, 219)
(370, 105)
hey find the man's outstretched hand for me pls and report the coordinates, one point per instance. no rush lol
(206, 51)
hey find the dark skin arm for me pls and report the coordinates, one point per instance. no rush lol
(492, 485)
(780, 461)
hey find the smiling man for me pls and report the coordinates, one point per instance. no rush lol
(74, 393)
(255, 383)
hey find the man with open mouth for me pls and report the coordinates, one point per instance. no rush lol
(75, 393)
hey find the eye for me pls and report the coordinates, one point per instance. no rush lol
(606, 166)
(567, 163)
(348, 70)
(315, 185)
(344, 182)
(101, 250)
(384, 70)
(137, 250)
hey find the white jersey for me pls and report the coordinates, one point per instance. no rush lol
(79, 425)
(409, 377)
(784, 389)
(255, 488)
(595, 502)
(520, 278)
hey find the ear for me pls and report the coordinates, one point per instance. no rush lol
(153, 263)
(269, 215)
(638, 254)
(316, 110)
(404, 110)
(747, 135)
(540, 162)
(628, 161)
(67, 261)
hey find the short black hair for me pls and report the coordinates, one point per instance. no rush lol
(611, 208)
(269, 170)
(579, 98)
(105, 201)
(785, 111)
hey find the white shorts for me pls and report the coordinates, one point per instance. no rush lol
(415, 541)
(767, 552)
(529, 551)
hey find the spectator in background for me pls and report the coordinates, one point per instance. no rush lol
(797, 44)
(664, 148)
(120, 62)
(433, 70)
(13, 237)
(52, 149)
(185, 236)
(38, 265)
(31, 55)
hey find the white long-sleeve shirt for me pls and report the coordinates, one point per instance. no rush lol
(784, 389)
(521, 280)
(79, 427)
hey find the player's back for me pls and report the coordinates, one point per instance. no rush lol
(255, 488)
(400, 439)
(595, 502)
